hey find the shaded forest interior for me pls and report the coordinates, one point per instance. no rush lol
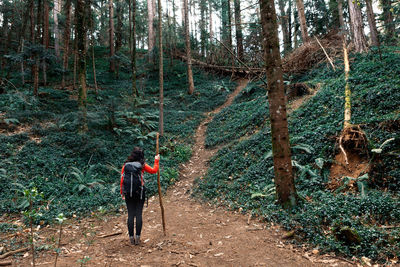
(82, 81)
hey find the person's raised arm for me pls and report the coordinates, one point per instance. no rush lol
(149, 169)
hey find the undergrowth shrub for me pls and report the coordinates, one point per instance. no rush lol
(80, 171)
(241, 174)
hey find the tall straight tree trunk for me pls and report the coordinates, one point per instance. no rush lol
(188, 52)
(161, 69)
(239, 33)
(133, 55)
(56, 31)
(67, 36)
(372, 23)
(359, 40)
(81, 62)
(36, 56)
(150, 15)
(302, 18)
(111, 35)
(211, 22)
(230, 43)
(388, 20)
(5, 32)
(340, 11)
(118, 33)
(92, 39)
(21, 41)
(32, 37)
(289, 20)
(203, 33)
(46, 39)
(285, 27)
(284, 180)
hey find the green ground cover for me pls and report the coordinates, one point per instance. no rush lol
(241, 174)
(78, 172)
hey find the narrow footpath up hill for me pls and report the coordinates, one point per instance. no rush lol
(198, 234)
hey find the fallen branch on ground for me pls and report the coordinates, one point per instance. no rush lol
(109, 235)
(10, 253)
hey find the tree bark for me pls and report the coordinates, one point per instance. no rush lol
(118, 33)
(284, 180)
(46, 39)
(161, 69)
(67, 35)
(302, 18)
(91, 19)
(203, 32)
(36, 56)
(340, 11)
(230, 32)
(81, 61)
(111, 35)
(388, 21)
(372, 23)
(360, 43)
(135, 92)
(211, 49)
(150, 14)
(6, 33)
(285, 27)
(56, 31)
(188, 52)
(239, 33)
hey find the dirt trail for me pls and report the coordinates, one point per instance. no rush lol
(197, 234)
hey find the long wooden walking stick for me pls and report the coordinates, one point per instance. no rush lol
(159, 189)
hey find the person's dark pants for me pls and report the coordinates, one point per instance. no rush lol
(135, 210)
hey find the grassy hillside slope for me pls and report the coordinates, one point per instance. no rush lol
(241, 174)
(78, 172)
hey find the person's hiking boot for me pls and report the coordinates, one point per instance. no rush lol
(132, 239)
(137, 240)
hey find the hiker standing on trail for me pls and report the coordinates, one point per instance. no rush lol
(133, 190)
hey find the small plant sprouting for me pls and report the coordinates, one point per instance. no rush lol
(60, 219)
(31, 196)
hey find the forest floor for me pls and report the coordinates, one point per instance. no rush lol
(198, 234)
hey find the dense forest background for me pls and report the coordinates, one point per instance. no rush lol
(82, 82)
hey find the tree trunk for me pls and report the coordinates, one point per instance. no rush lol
(239, 33)
(111, 35)
(203, 32)
(36, 56)
(67, 35)
(359, 40)
(188, 52)
(211, 49)
(150, 29)
(340, 11)
(347, 91)
(372, 23)
(230, 32)
(284, 180)
(56, 31)
(285, 27)
(118, 33)
(81, 66)
(302, 18)
(388, 21)
(46, 39)
(161, 70)
(133, 55)
(6, 33)
(91, 19)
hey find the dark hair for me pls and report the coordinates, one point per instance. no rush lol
(137, 155)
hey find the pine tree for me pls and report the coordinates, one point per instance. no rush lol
(284, 180)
